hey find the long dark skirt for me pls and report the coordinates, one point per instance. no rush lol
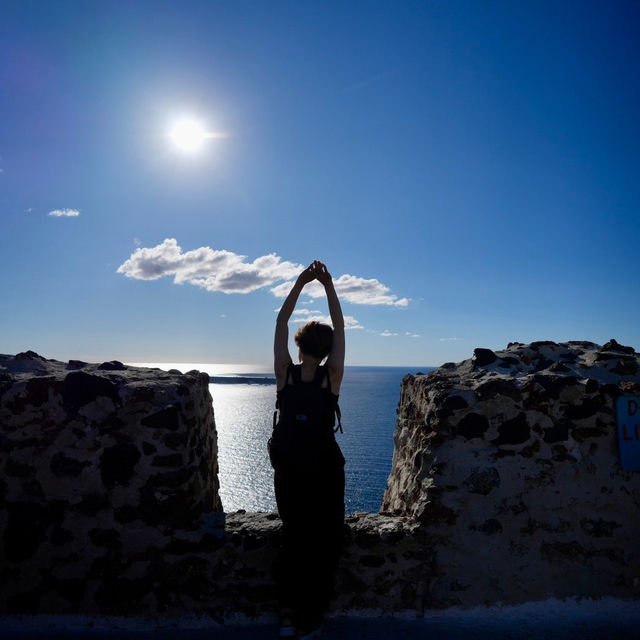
(311, 507)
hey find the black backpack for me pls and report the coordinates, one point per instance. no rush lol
(303, 439)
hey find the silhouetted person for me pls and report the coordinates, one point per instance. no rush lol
(308, 463)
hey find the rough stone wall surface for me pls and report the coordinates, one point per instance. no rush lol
(109, 505)
(226, 568)
(99, 464)
(505, 487)
(509, 460)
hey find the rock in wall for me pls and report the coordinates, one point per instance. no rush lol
(99, 464)
(510, 462)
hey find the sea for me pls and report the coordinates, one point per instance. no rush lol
(244, 402)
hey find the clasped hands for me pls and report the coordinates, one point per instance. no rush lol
(315, 271)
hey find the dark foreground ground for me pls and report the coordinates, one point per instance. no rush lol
(550, 620)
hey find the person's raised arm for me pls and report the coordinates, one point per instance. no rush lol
(281, 357)
(335, 361)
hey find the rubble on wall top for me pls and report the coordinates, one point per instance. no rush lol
(29, 363)
(611, 363)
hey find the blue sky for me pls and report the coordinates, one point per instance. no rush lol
(468, 171)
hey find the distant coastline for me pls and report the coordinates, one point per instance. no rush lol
(258, 374)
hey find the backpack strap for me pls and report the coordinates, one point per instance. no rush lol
(337, 409)
(321, 373)
(296, 374)
(291, 372)
(338, 415)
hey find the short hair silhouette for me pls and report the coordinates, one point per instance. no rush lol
(315, 339)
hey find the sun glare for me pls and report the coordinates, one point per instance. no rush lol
(189, 135)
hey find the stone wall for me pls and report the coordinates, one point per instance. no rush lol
(99, 464)
(225, 569)
(509, 461)
(109, 505)
(505, 487)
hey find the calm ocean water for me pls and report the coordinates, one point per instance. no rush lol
(369, 398)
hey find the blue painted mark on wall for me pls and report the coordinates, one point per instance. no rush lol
(629, 432)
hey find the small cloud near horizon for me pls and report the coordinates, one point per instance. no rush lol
(386, 333)
(229, 272)
(307, 315)
(450, 339)
(64, 213)
(412, 335)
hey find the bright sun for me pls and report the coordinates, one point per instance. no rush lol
(189, 136)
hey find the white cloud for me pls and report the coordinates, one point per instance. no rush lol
(412, 335)
(449, 339)
(282, 290)
(305, 312)
(363, 291)
(211, 269)
(307, 315)
(386, 333)
(64, 213)
(350, 288)
(351, 323)
(228, 272)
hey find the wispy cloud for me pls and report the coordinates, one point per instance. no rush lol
(228, 272)
(386, 333)
(412, 335)
(307, 315)
(64, 213)
(304, 313)
(450, 339)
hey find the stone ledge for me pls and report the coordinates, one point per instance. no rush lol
(223, 569)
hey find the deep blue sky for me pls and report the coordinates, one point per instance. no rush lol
(478, 158)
